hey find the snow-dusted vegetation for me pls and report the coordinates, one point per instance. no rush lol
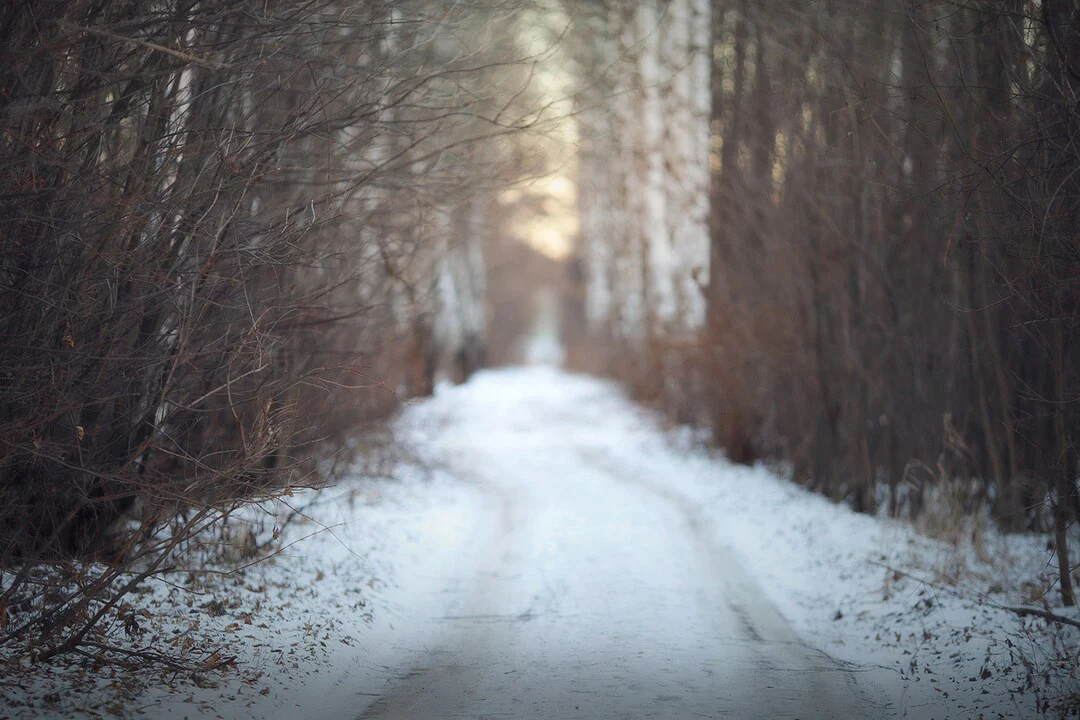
(235, 235)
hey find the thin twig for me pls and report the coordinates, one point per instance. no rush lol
(186, 57)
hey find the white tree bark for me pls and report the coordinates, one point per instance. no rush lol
(460, 273)
(643, 176)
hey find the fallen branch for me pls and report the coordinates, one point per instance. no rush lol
(1044, 614)
(1020, 610)
(139, 657)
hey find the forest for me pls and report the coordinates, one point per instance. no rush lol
(239, 238)
(878, 286)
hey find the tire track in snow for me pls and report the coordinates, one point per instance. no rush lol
(595, 591)
(778, 646)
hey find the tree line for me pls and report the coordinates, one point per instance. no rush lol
(890, 279)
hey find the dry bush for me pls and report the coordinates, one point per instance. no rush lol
(741, 351)
(218, 263)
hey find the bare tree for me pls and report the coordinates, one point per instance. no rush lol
(225, 230)
(891, 277)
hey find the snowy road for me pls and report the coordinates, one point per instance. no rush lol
(587, 583)
(544, 549)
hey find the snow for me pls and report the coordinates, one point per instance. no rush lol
(547, 549)
(541, 346)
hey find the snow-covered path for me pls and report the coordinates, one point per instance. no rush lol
(589, 583)
(562, 555)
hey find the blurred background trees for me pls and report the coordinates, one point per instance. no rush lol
(891, 280)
